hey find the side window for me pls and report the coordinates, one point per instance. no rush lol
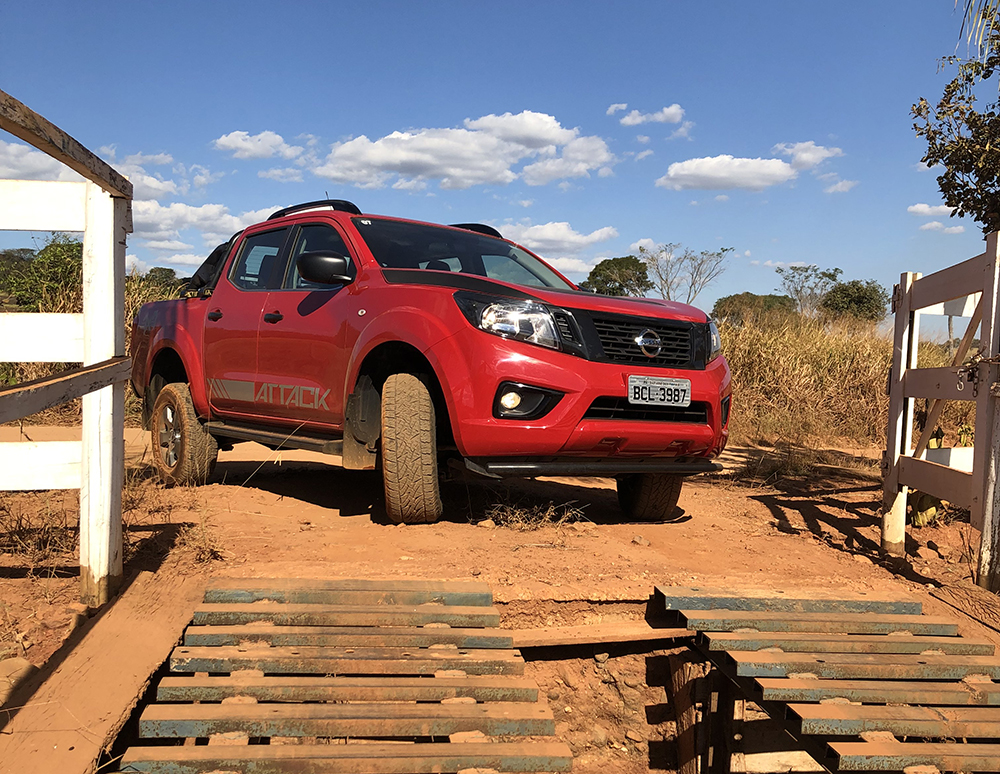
(260, 251)
(310, 238)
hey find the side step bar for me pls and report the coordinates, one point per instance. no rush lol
(275, 438)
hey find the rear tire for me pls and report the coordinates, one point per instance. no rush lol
(649, 496)
(184, 452)
(409, 452)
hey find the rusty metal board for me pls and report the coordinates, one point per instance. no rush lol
(896, 756)
(348, 592)
(937, 722)
(343, 689)
(842, 623)
(812, 642)
(346, 615)
(357, 721)
(878, 691)
(853, 666)
(331, 636)
(352, 758)
(817, 601)
(346, 661)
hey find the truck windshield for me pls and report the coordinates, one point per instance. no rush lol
(402, 245)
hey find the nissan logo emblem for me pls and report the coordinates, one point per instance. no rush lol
(649, 343)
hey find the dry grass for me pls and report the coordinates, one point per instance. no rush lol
(523, 516)
(37, 532)
(201, 542)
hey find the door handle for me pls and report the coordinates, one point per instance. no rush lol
(273, 317)
(215, 314)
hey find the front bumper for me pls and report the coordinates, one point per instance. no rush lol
(566, 431)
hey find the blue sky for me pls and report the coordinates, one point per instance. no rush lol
(580, 129)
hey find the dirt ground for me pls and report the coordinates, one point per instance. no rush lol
(777, 519)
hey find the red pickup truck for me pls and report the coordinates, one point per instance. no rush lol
(426, 350)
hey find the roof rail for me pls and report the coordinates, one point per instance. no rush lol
(479, 228)
(341, 205)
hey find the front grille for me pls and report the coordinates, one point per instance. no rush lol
(620, 408)
(618, 340)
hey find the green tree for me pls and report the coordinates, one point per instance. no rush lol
(52, 281)
(865, 300)
(624, 276)
(741, 307)
(806, 285)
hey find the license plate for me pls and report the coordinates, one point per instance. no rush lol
(657, 391)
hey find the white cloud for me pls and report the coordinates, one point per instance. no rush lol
(806, 155)
(616, 107)
(170, 245)
(644, 154)
(842, 186)
(578, 158)
(525, 202)
(571, 265)
(682, 132)
(778, 264)
(936, 225)
(645, 243)
(722, 198)
(930, 211)
(282, 174)
(527, 129)
(21, 162)
(668, 115)
(264, 145)
(159, 222)
(185, 259)
(409, 185)
(643, 138)
(556, 239)
(134, 266)
(726, 172)
(746, 253)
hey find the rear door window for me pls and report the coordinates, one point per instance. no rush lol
(258, 259)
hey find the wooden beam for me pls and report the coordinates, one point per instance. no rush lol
(41, 338)
(41, 205)
(28, 466)
(962, 279)
(23, 400)
(936, 383)
(25, 124)
(949, 484)
(986, 462)
(595, 634)
(79, 709)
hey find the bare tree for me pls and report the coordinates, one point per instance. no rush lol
(807, 285)
(682, 276)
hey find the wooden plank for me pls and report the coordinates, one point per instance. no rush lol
(241, 591)
(863, 666)
(879, 692)
(949, 484)
(27, 125)
(356, 758)
(41, 338)
(478, 588)
(347, 615)
(595, 634)
(345, 636)
(358, 721)
(81, 707)
(957, 281)
(906, 331)
(685, 674)
(844, 623)
(985, 513)
(344, 689)
(29, 398)
(346, 661)
(42, 205)
(897, 756)
(776, 601)
(852, 720)
(810, 642)
(936, 383)
(30, 466)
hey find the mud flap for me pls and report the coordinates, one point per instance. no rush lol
(362, 426)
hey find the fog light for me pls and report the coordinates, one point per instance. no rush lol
(510, 400)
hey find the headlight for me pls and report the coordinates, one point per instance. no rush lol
(715, 341)
(523, 321)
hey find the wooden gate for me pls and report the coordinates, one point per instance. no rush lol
(100, 208)
(967, 289)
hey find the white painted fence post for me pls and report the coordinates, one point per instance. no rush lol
(987, 455)
(904, 355)
(103, 454)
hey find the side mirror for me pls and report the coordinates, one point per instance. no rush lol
(324, 267)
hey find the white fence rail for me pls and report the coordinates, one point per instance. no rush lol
(100, 207)
(968, 289)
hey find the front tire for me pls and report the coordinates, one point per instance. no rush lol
(409, 452)
(649, 496)
(184, 452)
